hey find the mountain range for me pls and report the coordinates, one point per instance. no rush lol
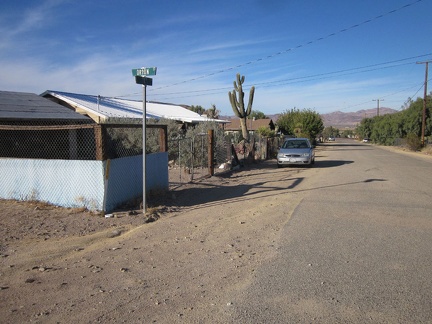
(339, 119)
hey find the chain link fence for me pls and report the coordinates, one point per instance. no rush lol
(189, 156)
(67, 162)
(78, 141)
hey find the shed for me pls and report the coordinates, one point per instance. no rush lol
(51, 153)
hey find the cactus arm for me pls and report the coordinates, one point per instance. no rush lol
(234, 104)
(251, 96)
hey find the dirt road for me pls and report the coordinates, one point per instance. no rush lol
(61, 265)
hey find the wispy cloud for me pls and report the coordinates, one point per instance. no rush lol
(32, 18)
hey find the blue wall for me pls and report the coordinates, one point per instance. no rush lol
(77, 183)
(125, 177)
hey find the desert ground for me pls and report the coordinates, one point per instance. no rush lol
(196, 247)
(198, 244)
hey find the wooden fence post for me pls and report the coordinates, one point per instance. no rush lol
(100, 142)
(163, 138)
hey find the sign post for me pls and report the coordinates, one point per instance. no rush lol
(141, 78)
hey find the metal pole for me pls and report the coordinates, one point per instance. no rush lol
(210, 136)
(179, 161)
(144, 147)
(192, 157)
(202, 152)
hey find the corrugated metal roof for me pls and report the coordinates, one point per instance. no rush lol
(30, 106)
(113, 109)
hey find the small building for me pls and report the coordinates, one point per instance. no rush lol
(50, 152)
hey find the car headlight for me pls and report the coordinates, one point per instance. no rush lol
(306, 154)
(280, 155)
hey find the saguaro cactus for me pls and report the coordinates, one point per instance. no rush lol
(238, 104)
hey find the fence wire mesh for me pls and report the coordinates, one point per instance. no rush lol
(189, 154)
(188, 159)
(62, 163)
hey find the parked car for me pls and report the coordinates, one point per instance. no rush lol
(295, 151)
(365, 140)
(331, 139)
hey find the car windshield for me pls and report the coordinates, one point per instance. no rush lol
(295, 144)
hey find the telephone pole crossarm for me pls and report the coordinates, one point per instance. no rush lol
(378, 106)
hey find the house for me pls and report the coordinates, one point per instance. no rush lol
(50, 152)
(252, 125)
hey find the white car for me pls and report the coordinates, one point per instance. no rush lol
(295, 151)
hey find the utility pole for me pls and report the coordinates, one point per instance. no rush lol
(378, 101)
(424, 102)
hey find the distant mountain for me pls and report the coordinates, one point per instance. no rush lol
(340, 119)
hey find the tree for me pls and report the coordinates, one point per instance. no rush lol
(198, 109)
(312, 123)
(330, 131)
(265, 131)
(237, 104)
(287, 121)
(304, 123)
(364, 130)
(257, 114)
(347, 133)
(387, 129)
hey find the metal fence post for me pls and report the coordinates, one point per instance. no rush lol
(210, 135)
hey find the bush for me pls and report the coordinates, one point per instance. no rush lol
(413, 142)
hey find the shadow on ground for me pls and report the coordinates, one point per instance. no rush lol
(331, 163)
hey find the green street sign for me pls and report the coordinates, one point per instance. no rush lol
(144, 71)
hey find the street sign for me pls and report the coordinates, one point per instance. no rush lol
(144, 71)
(143, 80)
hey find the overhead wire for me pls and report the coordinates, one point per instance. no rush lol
(292, 48)
(309, 78)
(280, 52)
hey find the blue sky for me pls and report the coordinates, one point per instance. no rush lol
(333, 55)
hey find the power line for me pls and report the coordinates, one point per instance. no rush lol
(293, 48)
(282, 52)
(320, 76)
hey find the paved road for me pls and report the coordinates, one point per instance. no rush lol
(358, 248)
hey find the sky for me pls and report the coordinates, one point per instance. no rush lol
(328, 56)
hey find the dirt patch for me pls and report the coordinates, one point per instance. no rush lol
(22, 220)
(63, 265)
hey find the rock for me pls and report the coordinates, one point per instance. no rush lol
(114, 233)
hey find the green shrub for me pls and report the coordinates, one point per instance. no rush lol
(413, 142)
